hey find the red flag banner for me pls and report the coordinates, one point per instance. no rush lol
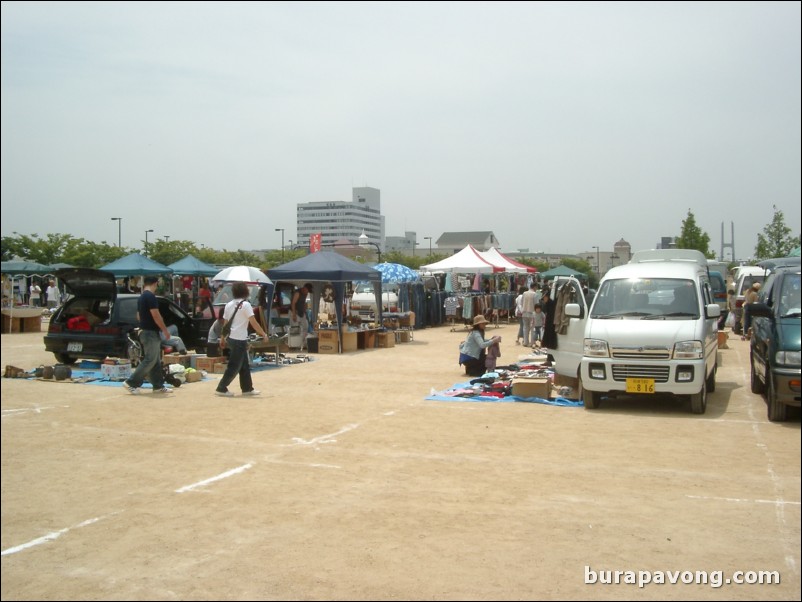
(314, 242)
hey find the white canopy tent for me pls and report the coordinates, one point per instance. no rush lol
(467, 261)
(498, 259)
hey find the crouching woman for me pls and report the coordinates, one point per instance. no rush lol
(473, 349)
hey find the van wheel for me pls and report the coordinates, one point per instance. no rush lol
(699, 400)
(756, 385)
(778, 411)
(711, 380)
(591, 399)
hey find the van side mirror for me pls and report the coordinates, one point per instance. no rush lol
(574, 310)
(713, 310)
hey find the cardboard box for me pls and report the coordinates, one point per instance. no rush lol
(193, 360)
(177, 359)
(566, 381)
(208, 363)
(366, 339)
(194, 376)
(407, 320)
(404, 336)
(115, 371)
(385, 339)
(220, 368)
(327, 341)
(349, 341)
(531, 387)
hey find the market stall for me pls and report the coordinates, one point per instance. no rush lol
(328, 268)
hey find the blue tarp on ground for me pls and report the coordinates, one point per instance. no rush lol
(558, 401)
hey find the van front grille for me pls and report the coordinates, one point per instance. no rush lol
(623, 371)
(641, 353)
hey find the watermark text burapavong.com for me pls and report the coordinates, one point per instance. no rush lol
(714, 579)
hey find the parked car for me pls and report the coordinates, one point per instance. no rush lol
(719, 288)
(775, 345)
(363, 301)
(94, 322)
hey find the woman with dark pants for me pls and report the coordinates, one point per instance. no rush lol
(240, 313)
(473, 350)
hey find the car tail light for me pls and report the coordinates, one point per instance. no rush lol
(55, 327)
(107, 330)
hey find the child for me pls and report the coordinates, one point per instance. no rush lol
(538, 322)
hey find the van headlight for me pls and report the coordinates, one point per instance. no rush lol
(688, 350)
(787, 358)
(596, 348)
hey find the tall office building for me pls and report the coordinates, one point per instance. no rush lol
(338, 220)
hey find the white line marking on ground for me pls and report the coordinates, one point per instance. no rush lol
(325, 438)
(52, 536)
(224, 475)
(18, 411)
(737, 499)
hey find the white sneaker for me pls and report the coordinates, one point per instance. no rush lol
(224, 393)
(252, 392)
(130, 389)
(162, 391)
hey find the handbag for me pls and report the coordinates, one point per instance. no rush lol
(226, 332)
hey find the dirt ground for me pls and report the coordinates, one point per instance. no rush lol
(342, 482)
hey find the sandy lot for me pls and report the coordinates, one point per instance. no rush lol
(342, 482)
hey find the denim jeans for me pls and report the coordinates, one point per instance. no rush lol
(151, 364)
(237, 364)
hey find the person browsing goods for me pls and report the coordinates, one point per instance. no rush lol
(473, 350)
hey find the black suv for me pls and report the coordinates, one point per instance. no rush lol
(95, 321)
(775, 342)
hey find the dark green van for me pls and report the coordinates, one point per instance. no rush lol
(775, 343)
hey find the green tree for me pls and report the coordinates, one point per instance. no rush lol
(693, 237)
(776, 240)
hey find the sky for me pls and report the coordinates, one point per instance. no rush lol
(557, 126)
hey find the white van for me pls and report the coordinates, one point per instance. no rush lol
(652, 329)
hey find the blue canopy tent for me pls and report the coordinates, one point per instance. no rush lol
(328, 266)
(136, 265)
(192, 266)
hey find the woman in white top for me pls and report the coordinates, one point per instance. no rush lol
(240, 313)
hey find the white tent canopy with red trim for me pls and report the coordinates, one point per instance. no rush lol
(498, 259)
(468, 260)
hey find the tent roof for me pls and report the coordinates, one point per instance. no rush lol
(136, 265)
(561, 270)
(192, 266)
(469, 260)
(324, 266)
(497, 258)
(24, 268)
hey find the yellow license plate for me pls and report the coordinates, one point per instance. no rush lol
(640, 385)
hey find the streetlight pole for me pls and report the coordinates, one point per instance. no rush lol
(282, 242)
(119, 221)
(598, 267)
(429, 238)
(146, 240)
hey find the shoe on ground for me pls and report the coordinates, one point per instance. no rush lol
(252, 392)
(224, 393)
(162, 391)
(130, 389)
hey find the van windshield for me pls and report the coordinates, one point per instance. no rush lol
(647, 299)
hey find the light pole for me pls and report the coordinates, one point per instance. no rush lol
(364, 242)
(429, 238)
(119, 221)
(598, 267)
(282, 242)
(146, 240)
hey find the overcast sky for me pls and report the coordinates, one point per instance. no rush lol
(557, 126)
